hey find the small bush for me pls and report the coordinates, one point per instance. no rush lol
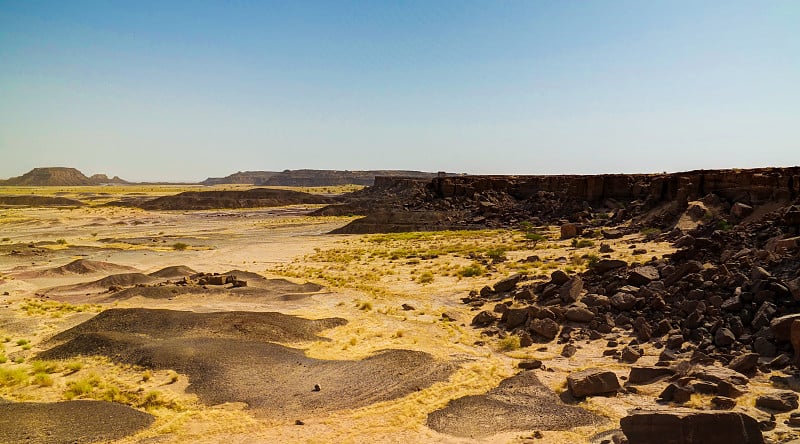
(650, 231)
(38, 366)
(22, 342)
(173, 376)
(6, 239)
(582, 243)
(3, 359)
(473, 270)
(724, 225)
(497, 254)
(146, 375)
(425, 278)
(364, 305)
(509, 343)
(81, 387)
(179, 246)
(62, 242)
(42, 380)
(74, 366)
(592, 259)
(13, 376)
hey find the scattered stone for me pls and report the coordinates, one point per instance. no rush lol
(483, 319)
(630, 354)
(641, 276)
(568, 231)
(724, 337)
(744, 362)
(740, 210)
(647, 374)
(592, 382)
(407, 307)
(570, 291)
(547, 328)
(558, 278)
(508, 283)
(611, 233)
(605, 265)
(298, 422)
(569, 351)
(316, 388)
(623, 301)
(532, 364)
(780, 401)
(579, 314)
(676, 393)
(723, 403)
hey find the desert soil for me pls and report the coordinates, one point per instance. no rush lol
(335, 338)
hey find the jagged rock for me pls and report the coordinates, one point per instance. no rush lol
(483, 319)
(781, 327)
(605, 265)
(623, 301)
(780, 401)
(740, 210)
(647, 374)
(723, 403)
(724, 337)
(579, 314)
(611, 233)
(569, 351)
(596, 300)
(688, 426)
(570, 291)
(592, 382)
(559, 278)
(514, 317)
(676, 393)
(719, 374)
(605, 248)
(530, 364)
(641, 276)
(547, 328)
(630, 354)
(764, 347)
(744, 362)
(508, 283)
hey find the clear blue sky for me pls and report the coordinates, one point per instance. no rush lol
(173, 90)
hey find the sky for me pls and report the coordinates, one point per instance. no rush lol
(184, 90)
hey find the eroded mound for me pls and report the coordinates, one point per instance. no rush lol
(164, 324)
(78, 267)
(69, 422)
(521, 402)
(227, 359)
(173, 272)
(255, 198)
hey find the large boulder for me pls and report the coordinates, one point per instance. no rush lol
(547, 328)
(592, 382)
(570, 291)
(483, 319)
(782, 401)
(568, 231)
(508, 283)
(688, 426)
(605, 265)
(641, 276)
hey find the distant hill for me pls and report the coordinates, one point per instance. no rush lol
(243, 177)
(312, 178)
(58, 177)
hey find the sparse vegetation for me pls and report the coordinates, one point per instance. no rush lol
(473, 270)
(12, 376)
(425, 278)
(509, 343)
(582, 243)
(179, 246)
(61, 241)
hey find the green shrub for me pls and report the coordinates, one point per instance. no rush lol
(509, 343)
(13, 376)
(81, 387)
(496, 254)
(581, 243)
(425, 278)
(42, 380)
(179, 246)
(38, 366)
(74, 366)
(22, 342)
(472, 270)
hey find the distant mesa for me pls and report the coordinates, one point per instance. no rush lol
(312, 178)
(59, 177)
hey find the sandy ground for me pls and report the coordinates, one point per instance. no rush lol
(420, 357)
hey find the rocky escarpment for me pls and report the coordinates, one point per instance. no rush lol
(58, 176)
(656, 200)
(312, 178)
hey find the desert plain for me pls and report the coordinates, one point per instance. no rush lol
(494, 320)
